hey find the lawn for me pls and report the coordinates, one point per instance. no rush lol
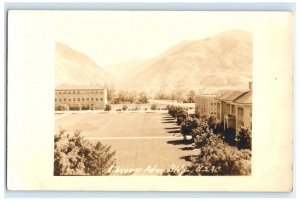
(144, 142)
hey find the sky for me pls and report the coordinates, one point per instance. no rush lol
(110, 37)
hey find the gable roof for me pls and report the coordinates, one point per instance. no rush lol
(245, 99)
(231, 95)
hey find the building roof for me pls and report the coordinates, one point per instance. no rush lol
(231, 95)
(245, 99)
(79, 87)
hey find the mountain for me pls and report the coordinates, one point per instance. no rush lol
(76, 68)
(125, 70)
(223, 60)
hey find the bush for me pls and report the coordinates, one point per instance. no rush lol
(212, 122)
(74, 108)
(172, 110)
(188, 125)
(218, 158)
(125, 107)
(154, 106)
(244, 139)
(229, 136)
(63, 107)
(85, 107)
(75, 156)
(181, 115)
(107, 107)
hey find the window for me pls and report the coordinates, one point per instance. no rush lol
(78, 99)
(55, 100)
(96, 92)
(211, 103)
(87, 99)
(101, 99)
(69, 92)
(74, 99)
(92, 99)
(59, 92)
(82, 99)
(69, 100)
(60, 100)
(96, 99)
(74, 92)
(232, 109)
(78, 92)
(101, 92)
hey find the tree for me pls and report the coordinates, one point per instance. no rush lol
(107, 107)
(244, 139)
(142, 97)
(74, 155)
(218, 158)
(188, 125)
(154, 106)
(125, 107)
(191, 96)
(212, 122)
(111, 94)
(172, 110)
(229, 136)
(181, 115)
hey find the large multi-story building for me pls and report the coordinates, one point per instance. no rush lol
(206, 105)
(234, 108)
(81, 97)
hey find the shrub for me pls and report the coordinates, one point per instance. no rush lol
(125, 107)
(75, 156)
(85, 107)
(181, 115)
(244, 139)
(107, 107)
(172, 110)
(145, 109)
(154, 106)
(212, 122)
(218, 158)
(188, 125)
(202, 137)
(74, 108)
(229, 136)
(62, 107)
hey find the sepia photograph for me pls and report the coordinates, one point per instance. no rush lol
(137, 94)
(120, 100)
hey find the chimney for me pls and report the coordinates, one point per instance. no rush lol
(250, 86)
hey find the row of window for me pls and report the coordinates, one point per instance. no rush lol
(78, 99)
(78, 92)
(213, 103)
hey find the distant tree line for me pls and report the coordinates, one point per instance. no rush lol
(126, 96)
(178, 95)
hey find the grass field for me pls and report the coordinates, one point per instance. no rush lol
(145, 143)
